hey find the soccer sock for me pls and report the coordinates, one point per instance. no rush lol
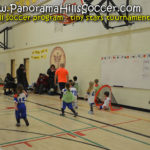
(26, 121)
(91, 107)
(73, 111)
(62, 110)
(18, 120)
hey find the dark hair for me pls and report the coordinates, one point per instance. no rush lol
(72, 83)
(21, 65)
(68, 86)
(8, 74)
(52, 66)
(75, 78)
(20, 88)
(106, 93)
(96, 81)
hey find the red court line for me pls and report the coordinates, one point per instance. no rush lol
(42, 138)
(122, 123)
(79, 132)
(26, 143)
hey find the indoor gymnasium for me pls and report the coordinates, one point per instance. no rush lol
(74, 74)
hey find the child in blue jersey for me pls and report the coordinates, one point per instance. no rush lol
(74, 92)
(20, 107)
(67, 100)
(90, 95)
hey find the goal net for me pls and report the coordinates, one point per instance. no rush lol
(99, 98)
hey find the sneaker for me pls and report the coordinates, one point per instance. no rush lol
(76, 107)
(27, 124)
(76, 114)
(18, 124)
(90, 112)
(62, 115)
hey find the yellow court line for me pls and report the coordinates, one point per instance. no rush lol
(130, 116)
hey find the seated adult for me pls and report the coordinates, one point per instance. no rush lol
(41, 85)
(9, 83)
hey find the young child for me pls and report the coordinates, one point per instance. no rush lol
(96, 81)
(105, 106)
(97, 87)
(67, 100)
(70, 82)
(20, 107)
(74, 92)
(91, 95)
(76, 85)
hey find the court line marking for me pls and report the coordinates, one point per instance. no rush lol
(11, 112)
(58, 134)
(130, 116)
(102, 129)
(58, 137)
(41, 137)
(99, 122)
(93, 120)
(127, 130)
(68, 132)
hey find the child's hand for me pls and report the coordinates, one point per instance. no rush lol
(25, 92)
(16, 108)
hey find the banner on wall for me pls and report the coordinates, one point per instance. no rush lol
(39, 54)
(57, 57)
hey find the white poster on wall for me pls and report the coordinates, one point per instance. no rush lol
(132, 72)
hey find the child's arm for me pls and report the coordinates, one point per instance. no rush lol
(25, 93)
(16, 108)
(16, 101)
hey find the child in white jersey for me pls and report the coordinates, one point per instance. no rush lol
(74, 92)
(76, 85)
(105, 106)
(91, 96)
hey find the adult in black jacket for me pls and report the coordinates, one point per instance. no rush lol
(51, 73)
(21, 76)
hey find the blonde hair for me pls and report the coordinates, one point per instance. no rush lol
(62, 65)
(91, 87)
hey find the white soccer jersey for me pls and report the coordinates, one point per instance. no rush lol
(106, 102)
(91, 96)
(21, 98)
(74, 92)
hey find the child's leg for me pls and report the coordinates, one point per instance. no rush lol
(26, 121)
(91, 107)
(63, 108)
(69, 105)
(76, 104)
(17, 114)
(24, 115)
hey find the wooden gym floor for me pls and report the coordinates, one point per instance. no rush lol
(119, 130)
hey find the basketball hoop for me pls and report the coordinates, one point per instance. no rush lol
(67, 18)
